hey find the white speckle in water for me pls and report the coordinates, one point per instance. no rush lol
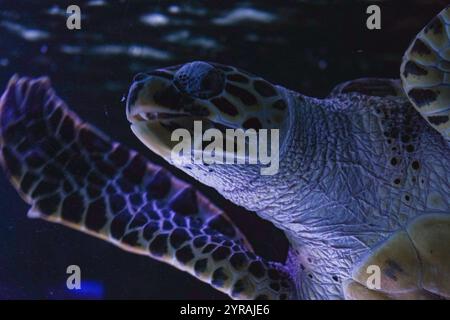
(115, 49)
(56, 11)
(105, 108)
(96, 3)
(70, 49)
(23, 32)
(178, 36)
(174, 9)
(203, 42)
(148, 52)
(4, 62)
(34, 35)
(155, 19)
(241, 15)
(44, 49)
(184, 37)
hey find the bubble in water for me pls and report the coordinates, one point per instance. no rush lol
(174, 9)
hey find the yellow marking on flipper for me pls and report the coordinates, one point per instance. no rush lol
(355, 291)
(425, 73)
(418, 75)
(398, 263)
(413, 263)
(435, 32)
(431, 237)
(431, 100)
(423, 54)
(417, 294)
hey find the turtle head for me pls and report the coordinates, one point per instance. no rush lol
(219, 96)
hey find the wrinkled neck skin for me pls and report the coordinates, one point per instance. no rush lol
(303, 147)
(268, 194)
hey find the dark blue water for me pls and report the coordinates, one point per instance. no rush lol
(309, 47)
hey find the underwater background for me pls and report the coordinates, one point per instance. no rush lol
(307, 46)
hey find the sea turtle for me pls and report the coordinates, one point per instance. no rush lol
(362, 191)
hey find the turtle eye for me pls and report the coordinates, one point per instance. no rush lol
(200, 80)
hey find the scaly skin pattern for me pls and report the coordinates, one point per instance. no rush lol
(356, 170)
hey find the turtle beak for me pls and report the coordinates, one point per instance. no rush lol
(141, 105)
(131, 99)
(153, 105)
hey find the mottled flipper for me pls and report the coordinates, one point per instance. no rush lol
(378, 87)
(425, 72)
(413, 263)
(70, 173)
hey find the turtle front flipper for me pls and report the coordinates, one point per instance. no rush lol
(378, 87)
(425, 73)
(412, 264)
(72, 174)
